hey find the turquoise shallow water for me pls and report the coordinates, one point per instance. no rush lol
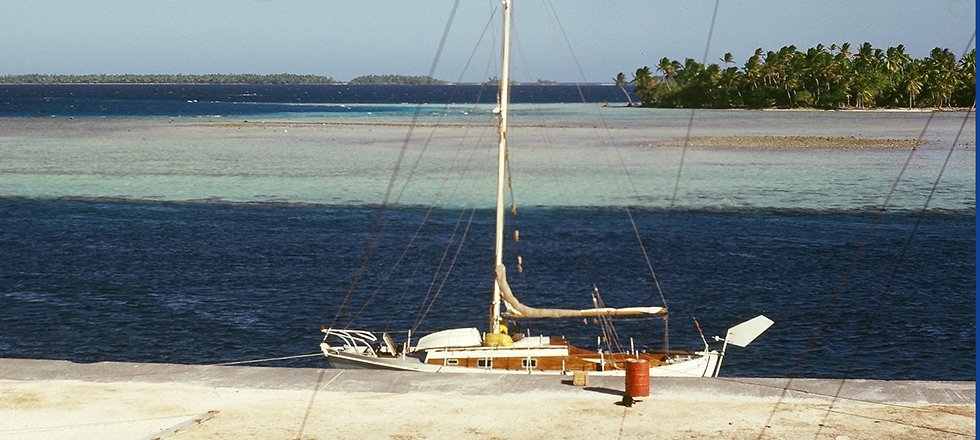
(793, 234)
(562, 155)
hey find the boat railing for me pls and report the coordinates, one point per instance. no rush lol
(357, 341)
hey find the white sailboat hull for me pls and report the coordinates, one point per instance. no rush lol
(704, 365)
(466, 350)
(701, 364)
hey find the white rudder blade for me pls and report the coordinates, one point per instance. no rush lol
(746, 332)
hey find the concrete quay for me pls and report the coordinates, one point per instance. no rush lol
(46, 399)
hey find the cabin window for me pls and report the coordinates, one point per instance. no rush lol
(484, 363)
(529, 363)
(452, 361)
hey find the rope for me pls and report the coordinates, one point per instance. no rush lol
(379, 223)
(605, 323)
(392, 268)
(687, 134)
(622, 161)
(452, 264)
(256, 361)
(566, 46)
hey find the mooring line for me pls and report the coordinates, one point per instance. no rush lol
(255, 361)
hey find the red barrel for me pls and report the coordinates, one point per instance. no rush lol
(637, 377)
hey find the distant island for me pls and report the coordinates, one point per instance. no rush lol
(396, 79)
(819, 77)
(242, 78)
(232, 78)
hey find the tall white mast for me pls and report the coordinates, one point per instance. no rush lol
(504, 98)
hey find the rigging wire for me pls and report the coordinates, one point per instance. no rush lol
(621, 160)
(453, 166)
(681, 165)
(437, 271)
(566, 47)
(392, 268)
(622, 163)
(605, 323)
(908, 243)
(519, 49)
(632, 184)
(452, 264)
(380, 222)
(859, 253)
(687, 134)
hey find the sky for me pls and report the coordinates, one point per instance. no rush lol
(558, 40)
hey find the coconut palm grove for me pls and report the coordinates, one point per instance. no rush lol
(820, 77)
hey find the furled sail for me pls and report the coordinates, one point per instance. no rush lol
(517, 310)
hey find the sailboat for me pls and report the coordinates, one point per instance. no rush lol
(497, 350)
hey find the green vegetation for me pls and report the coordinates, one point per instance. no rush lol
(396, 79)
(244, 78)
(817, 78)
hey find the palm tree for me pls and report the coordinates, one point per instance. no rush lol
(896, 59)
(728, 59)
(842, 72)
(942, 76)
(913, 81)
(753, 68)
(869, 78)
(691, 91)
(711, 84)
(731, 86)
(817, 77)
(669, 69)
(817, 67)
(621, 82)
(644, 84)
(965, 94)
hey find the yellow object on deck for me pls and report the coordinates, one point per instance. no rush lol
(498, 339)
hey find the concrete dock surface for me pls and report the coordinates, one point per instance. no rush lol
(45, 399)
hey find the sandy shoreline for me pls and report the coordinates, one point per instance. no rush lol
(645, 133)
(771, 142)
(55, 399)
(737, 142)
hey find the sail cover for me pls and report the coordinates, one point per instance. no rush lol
(517, 310)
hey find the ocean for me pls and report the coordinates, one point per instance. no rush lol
(148, 100)
(210, 224)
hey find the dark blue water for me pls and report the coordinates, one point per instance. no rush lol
(95, 280)
(144, 100)
(91, 280)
